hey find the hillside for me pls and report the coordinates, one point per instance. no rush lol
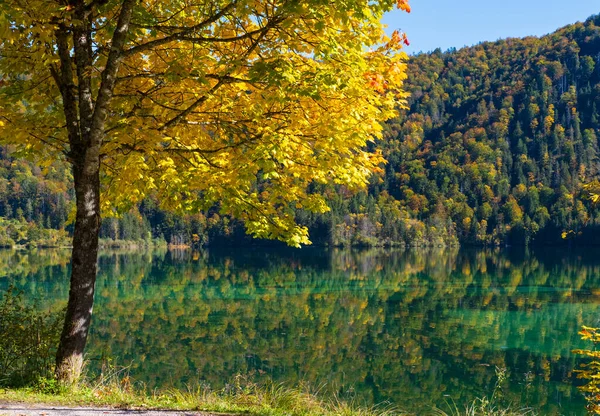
(493, 149)
(496, 144)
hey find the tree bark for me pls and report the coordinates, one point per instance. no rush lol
(69, 358)
(85, 125)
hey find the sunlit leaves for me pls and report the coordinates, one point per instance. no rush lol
(403, 5)
(241, 105)
(592, 191)
(590, 371)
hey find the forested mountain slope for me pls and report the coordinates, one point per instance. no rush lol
(494, 148)
(497, 142)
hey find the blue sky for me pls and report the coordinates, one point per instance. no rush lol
(456, 23)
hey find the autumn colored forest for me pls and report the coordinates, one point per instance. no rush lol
(494, 149)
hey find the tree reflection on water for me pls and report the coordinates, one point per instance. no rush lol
(416, 327)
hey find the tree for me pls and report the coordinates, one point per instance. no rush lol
(240, 104)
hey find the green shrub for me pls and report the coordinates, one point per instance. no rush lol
(28, 340)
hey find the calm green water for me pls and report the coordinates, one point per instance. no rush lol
(417, 328)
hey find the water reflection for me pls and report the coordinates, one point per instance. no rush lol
(415, 327)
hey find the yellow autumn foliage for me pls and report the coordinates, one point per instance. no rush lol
(240, 104)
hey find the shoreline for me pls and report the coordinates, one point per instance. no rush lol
(274, 400)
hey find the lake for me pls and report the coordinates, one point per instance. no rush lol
(416, 328)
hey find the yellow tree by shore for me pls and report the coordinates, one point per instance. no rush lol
(240, 104)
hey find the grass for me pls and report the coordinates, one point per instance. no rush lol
(483, 407)
(240, 398)
(116, 390)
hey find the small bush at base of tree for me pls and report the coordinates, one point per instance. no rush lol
(28, 340)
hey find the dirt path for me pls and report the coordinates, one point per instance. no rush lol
(22, 409)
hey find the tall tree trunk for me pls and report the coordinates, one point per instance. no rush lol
(85, 126)
(69, 358)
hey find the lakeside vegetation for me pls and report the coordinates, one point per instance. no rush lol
(251, 400)
(266, 400)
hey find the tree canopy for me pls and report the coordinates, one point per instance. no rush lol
(239, 103)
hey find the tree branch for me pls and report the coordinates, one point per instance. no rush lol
(66, 85)
(82, 44)
(191, 107)
(184, 32)
(109, 75)
(222, 80)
